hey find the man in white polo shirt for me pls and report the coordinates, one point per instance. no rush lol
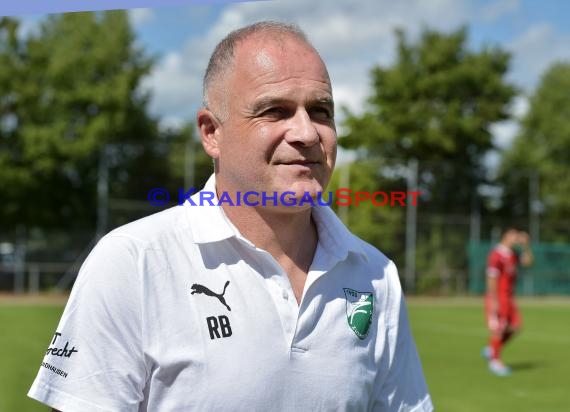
(239, 308)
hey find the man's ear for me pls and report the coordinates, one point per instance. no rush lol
(209, 129)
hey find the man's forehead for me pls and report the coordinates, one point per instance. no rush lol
(264, 60)
(266, 55)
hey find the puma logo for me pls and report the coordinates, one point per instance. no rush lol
(196, 288)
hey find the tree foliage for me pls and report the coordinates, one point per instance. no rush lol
(66, 93)
(378, 225)
(542, 148)
(436, 103)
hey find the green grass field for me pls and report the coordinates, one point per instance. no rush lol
(449, 334)
(26, 333)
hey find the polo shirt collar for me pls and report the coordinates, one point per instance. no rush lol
(210, 224)
(334, 237)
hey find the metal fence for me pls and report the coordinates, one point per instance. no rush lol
(549, 275)
(436, 253)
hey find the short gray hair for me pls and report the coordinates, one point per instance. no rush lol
(223, 55)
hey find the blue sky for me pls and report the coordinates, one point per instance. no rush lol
(493, 21)
(352, 36)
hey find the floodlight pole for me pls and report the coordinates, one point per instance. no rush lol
(189, 160)
(102, 194)
(344, 182)
(411, 227)
(534, 207)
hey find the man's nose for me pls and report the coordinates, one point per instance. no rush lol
(301, 129)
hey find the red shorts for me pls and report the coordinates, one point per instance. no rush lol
(508, 316)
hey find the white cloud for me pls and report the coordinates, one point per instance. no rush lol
(171, 122)
(176, 88)
(505, 132)
(534, 51)
(351, 39)
(520, 107)
(29, 26)
(138, 17)
(494, 11)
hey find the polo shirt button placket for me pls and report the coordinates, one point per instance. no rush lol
(285, 301)
(291, 309)
(294, 315)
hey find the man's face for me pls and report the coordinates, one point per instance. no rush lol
(279, 133)
(511, 237)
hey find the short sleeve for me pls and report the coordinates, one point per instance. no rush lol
(94, 361)
(494, 264)
(402, 385)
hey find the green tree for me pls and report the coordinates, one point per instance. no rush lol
(379, 225)
(542, 149)
(436, 103)
(75, 88)
(184, 139)
(13, 174)
(136, 168)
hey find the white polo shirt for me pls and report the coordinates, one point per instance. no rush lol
(179, 312)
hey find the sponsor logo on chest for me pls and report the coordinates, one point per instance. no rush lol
(359, 309)
(218, 326)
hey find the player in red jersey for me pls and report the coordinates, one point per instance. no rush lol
(503, 317)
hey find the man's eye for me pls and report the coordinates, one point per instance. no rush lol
(322, 112)
(274, 111)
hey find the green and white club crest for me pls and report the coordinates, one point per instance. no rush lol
(359, 309)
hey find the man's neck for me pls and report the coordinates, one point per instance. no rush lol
(279, 233)
(290, 237)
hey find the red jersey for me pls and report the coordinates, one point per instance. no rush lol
(502, 264)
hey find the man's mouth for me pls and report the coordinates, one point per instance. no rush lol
(302, 162)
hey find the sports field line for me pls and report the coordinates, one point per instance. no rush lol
(450, 329)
